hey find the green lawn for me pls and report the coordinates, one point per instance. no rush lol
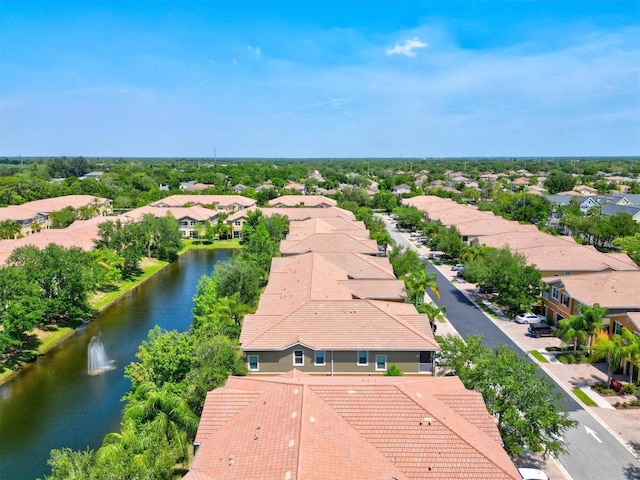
(538, 356)
(584, 398)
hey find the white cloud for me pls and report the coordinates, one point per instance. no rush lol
(408, 48)
(254, 50)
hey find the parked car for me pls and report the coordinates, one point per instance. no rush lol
(528, 317)
(458, 267)
(540, 330)
(532, 474)
(487, 289)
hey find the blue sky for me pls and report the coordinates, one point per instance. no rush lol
(320, 79)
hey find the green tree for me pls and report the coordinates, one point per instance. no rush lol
(404, 261)
(408, 217)
(67, 464)
(60, 276)
(393, 371)
(63, 218)
(559, 181)
(238, 277)
(521, 399)
(417, 281)
(623, 346)
(9, 229)
(592, 317)
(630, 245)
(164, 358)
(573, 330)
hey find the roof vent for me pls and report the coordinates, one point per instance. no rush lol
(426, 421)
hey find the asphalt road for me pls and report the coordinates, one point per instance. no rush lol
(592, 452)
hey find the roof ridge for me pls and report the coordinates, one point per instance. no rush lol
(397, 319)
(274, 323)
(303, 388)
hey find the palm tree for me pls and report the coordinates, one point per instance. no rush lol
(417, 283)
(162, 415)
(613, 349)
(592, 319)
(572, 329)
(433, 312)
(9, 229)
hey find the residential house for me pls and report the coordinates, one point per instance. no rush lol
(297, 426)
(585, 190)
(294, 187)
(402, 189)
(294, 214)
(611, 209)
(36, 216)
(310, 201)
(552, 255)
(617, 291)
(221, 203)
(93, 175)
(191, 220)
(239, 188)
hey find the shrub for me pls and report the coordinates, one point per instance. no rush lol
(629, 388)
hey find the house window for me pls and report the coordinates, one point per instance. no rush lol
(381, 363)
(319, 357)
(254, 363)
(237, 223)
(565, 299)
(298, 358)
(363, 358)
(554, 293)
(617, 327)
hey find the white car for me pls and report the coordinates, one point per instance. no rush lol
(529, 318)
(458, 267)
(532, 474)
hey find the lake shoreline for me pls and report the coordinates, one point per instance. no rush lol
(150, 268)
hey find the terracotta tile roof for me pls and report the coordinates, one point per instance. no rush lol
(634, 317)
(611, 289)
(302, 427)
(306, 228)
(574, 258)
(547, 252)
(195, 212)
(359, 266)
(48, 205)
(517, 240)
(329, 242)
(311, 201)
(195, 199)
(376, 289)
(337, 325)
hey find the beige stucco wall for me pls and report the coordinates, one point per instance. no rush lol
(338, 362)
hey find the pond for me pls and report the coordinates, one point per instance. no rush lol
(54, 403)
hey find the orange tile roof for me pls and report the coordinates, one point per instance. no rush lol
(613, 289)
(48, 205)
(310, 201)
(195, 199)
(329, 242)
(338, 325)
(306, 428)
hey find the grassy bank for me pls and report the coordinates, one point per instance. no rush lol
(48, 340)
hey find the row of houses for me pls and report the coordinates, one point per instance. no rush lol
(33, 217)
(315, 403)
(573, 274)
